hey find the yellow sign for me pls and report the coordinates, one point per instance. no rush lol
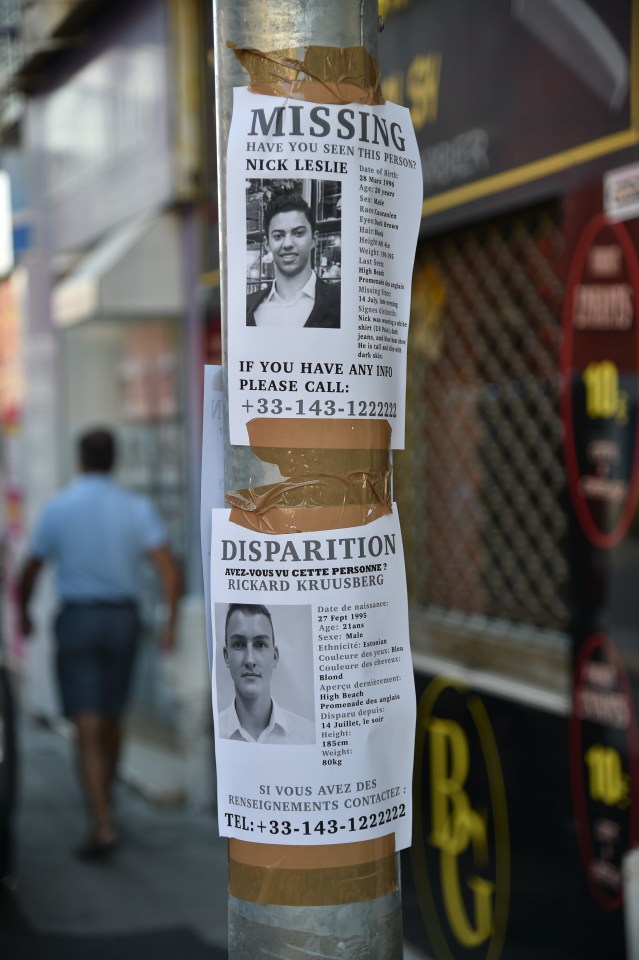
(461, 847)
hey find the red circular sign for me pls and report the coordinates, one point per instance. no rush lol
(604, 767)
(600, 370)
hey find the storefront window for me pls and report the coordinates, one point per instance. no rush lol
(481, 485)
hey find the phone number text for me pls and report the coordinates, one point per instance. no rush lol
(308, 828)
(274, 407)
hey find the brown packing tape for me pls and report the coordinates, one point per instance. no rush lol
(308, 462)
(314, 875)
(315, 888)
(337, 474)
(322, 75)
(296, 520)
(326, 434)
(301, 857)
(314, 490)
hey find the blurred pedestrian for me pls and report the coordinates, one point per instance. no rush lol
(96, 534)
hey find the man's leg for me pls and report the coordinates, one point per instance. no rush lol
(95, 768)
(121, 626)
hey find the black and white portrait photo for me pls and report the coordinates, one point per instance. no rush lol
(293, 253)
(264, 671)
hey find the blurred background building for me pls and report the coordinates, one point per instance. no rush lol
(518, 488)
(110, 312)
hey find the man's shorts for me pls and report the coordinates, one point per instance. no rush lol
(96, 646)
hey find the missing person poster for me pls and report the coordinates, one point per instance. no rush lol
(313, 693)
(324, 206)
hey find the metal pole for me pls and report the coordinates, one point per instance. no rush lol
(271, 25)
(367, 927)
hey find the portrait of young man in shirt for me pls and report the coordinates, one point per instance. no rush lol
(251, 655)
(297, 297)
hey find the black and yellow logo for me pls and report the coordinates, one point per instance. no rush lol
(461, 847)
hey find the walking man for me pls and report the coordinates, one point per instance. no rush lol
(96, 534)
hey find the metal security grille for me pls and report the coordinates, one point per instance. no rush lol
(481, 484)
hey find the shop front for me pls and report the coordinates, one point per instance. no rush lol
(519, 478)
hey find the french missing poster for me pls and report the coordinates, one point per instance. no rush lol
(313, 693)
(324, 206)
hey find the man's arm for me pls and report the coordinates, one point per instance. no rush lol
(170, 579)
(28, 576)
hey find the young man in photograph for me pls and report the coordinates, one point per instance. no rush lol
(297, 297)
(251, 655)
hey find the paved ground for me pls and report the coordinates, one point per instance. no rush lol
(163, 894)
(161, 897)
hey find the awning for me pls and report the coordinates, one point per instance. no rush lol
(135, 271)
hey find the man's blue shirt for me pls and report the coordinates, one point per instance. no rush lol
(95, 533)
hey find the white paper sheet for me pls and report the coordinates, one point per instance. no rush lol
(338, 768)
(358, 169)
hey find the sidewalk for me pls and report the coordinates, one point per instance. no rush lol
(162, 895)
(169, 873)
